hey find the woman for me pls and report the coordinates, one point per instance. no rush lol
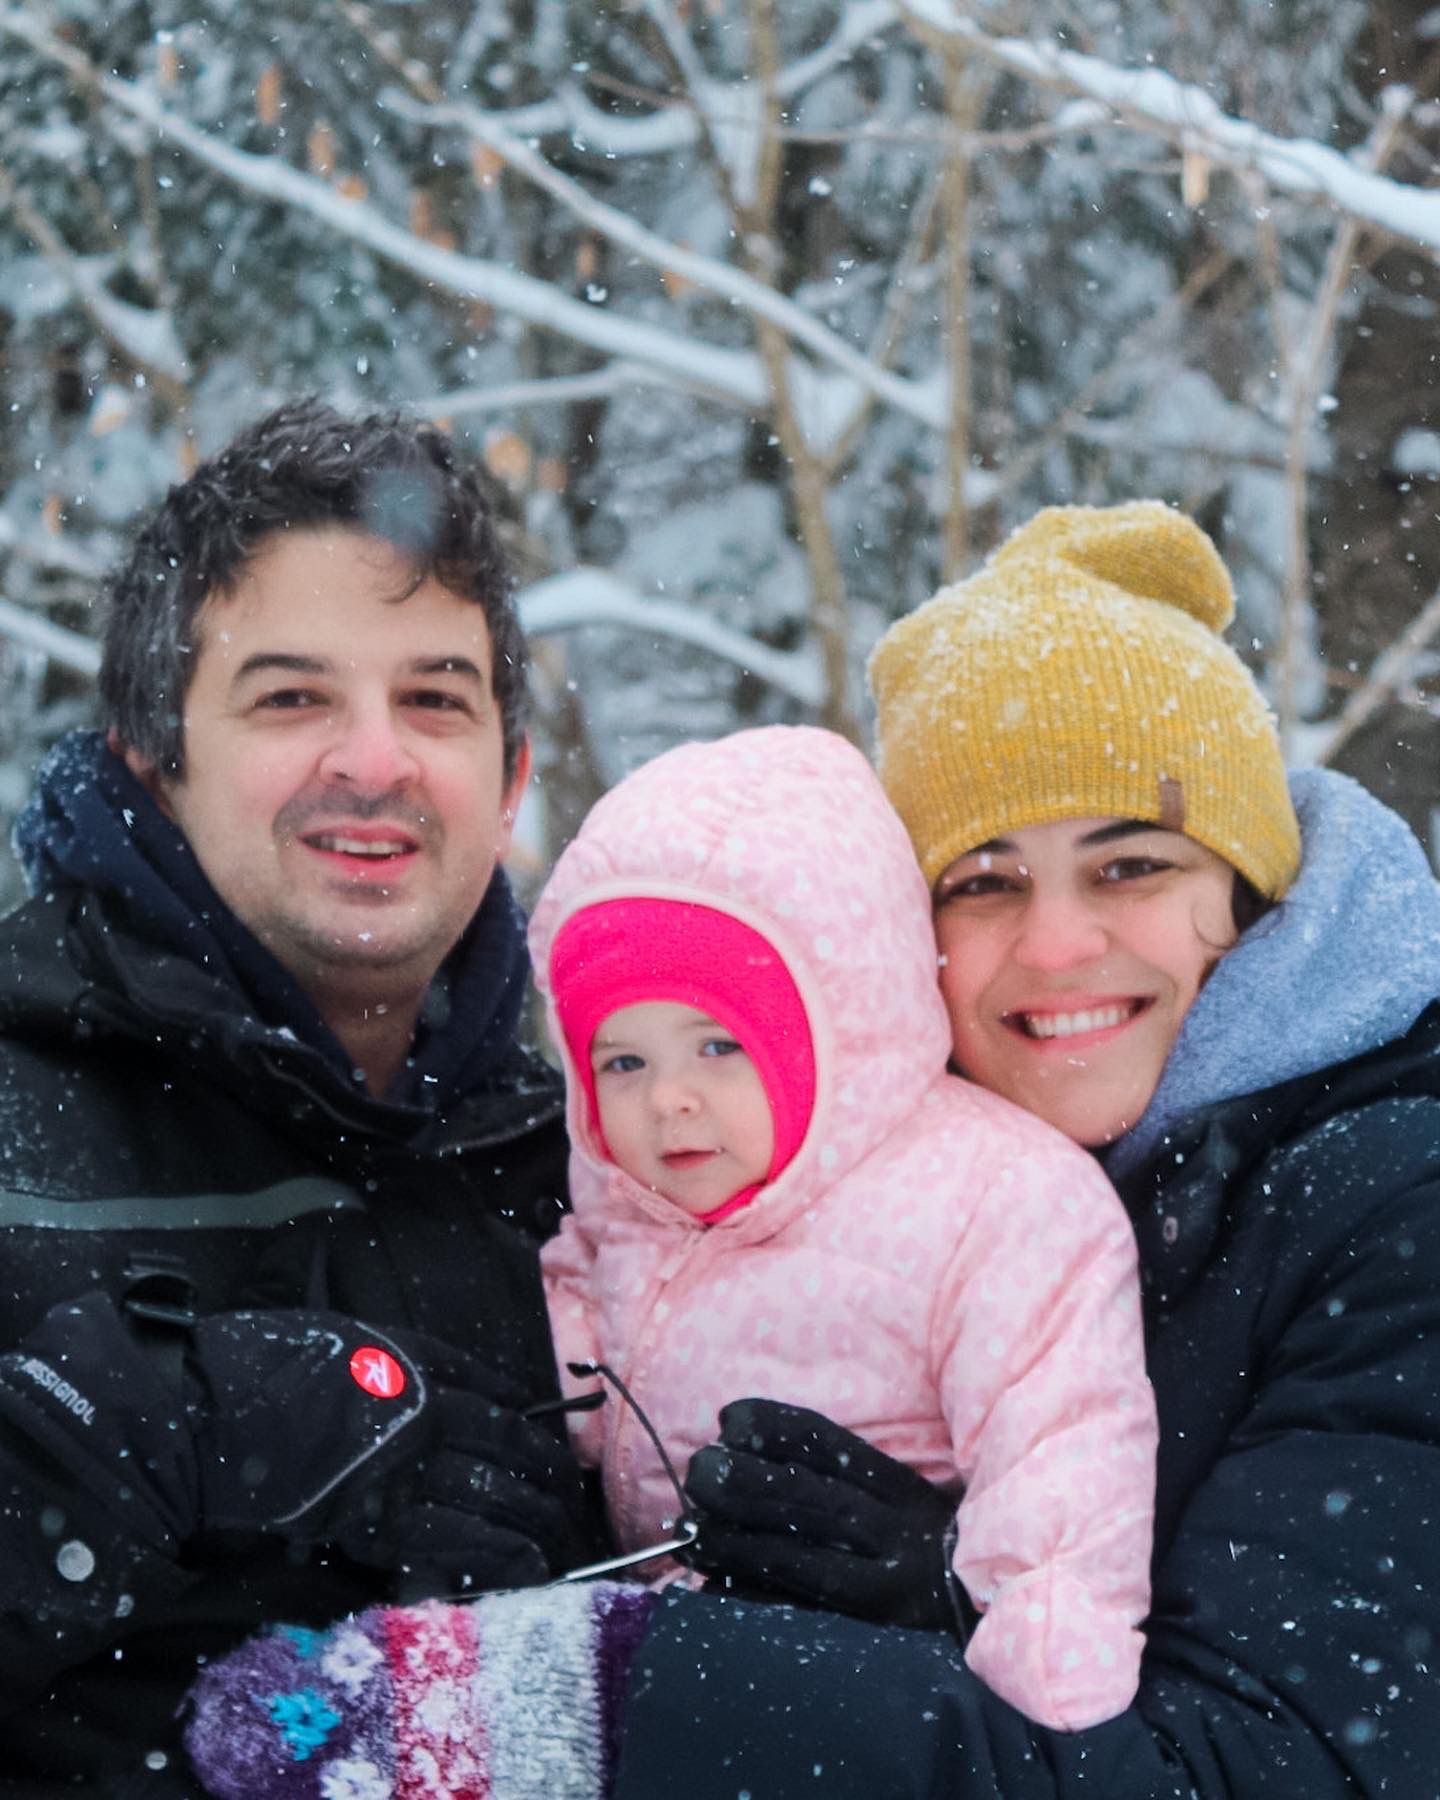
(1226, 989)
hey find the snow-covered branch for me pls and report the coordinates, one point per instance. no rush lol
(923, 401)
(585, 597)
(48, 552)
(557, 390)
(570, 113)
(1391, 669)
(146, 337)
(573, 601)
(732, 375)
(67, 648)
(1187, 116)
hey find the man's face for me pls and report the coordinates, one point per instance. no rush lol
(344, 787)
(1070, 955)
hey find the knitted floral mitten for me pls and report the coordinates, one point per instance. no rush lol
(504, 1698)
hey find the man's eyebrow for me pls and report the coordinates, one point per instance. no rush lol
(264, 660)
(292, 663)
(448, 665)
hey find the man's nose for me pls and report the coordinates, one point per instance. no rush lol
(1059, 932)
(370, 750)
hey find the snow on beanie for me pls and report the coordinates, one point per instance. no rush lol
(517, 1694)
(622, 952)
(1081, 674)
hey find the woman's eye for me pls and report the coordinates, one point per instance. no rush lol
(1132, 868)
(977, 886)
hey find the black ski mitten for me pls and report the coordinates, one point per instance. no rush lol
(304, 1425)
(792, 1506)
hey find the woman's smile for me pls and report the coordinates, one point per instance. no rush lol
(1090, 1019)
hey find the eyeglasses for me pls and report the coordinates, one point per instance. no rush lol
(687, 1526)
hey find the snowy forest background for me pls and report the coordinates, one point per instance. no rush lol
(766, 315)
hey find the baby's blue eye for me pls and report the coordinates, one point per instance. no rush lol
(624, 1064)
(721, 1047)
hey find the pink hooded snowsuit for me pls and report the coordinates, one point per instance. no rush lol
(934, 1268)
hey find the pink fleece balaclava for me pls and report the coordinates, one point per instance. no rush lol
(623, 952)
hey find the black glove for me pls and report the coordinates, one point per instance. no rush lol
(304, 1425)
(495, 1499)
(794, 1507)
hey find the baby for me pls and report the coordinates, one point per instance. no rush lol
(778, 1190)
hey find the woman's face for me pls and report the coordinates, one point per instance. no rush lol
(1069, 955)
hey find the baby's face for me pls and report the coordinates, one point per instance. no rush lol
(681, 1105)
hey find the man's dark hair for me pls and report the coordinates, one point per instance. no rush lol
(302, 466)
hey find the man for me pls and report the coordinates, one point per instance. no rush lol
(272, 1163)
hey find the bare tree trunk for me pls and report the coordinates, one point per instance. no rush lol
(1307, 365)
(568, 779)
(964, 97)
(808, 473)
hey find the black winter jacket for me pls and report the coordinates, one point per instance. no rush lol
(149, 1123)
(1290, 1248)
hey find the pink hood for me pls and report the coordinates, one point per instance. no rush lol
(787, 829)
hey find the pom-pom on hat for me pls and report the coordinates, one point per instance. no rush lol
(621, 952)
(1081, 674)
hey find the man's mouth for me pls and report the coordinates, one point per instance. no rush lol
(1046, 1025)
(375, 849)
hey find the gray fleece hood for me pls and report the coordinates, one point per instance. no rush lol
(1345, 963)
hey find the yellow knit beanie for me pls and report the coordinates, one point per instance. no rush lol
(1081, 674)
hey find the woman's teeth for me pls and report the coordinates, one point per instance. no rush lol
(1058, 1025)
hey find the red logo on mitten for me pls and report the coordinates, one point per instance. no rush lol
(377, 1371)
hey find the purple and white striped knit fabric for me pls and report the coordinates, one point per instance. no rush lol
(507, 1697)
